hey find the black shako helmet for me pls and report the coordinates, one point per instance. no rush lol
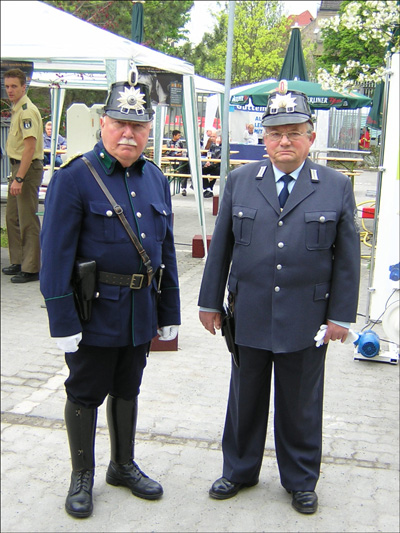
(285, 107)
(129, 102)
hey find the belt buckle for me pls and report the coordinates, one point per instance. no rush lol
(136, 281)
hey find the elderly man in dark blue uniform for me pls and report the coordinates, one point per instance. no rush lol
(287, 243)
(107, 354)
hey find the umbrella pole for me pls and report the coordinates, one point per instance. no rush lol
(378, 188)
(225, 118)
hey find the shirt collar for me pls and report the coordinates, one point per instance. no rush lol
(278, 173)
(23, 100)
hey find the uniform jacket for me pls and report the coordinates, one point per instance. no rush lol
(289, 271)
(79, 222)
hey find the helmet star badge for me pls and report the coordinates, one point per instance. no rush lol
(131, 99)
(282, 101)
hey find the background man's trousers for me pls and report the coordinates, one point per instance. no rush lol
(23, 225)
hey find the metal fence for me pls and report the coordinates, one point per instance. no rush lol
(5, 164)
(344, 128)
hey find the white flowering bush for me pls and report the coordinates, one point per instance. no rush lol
(357, 43)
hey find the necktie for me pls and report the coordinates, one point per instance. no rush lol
(283, 195)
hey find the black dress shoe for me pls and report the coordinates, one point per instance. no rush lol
(129, 475)
(222, 488)
(304, 502)
(79, 502)
(24, 277)
(12, 269)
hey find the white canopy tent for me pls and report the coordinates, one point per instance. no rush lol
(68, 52)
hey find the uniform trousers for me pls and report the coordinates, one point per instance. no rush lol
(96, 371)
(298, 403)
(23, 225)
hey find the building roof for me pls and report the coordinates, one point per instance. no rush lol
(330, 5)
(302, 20)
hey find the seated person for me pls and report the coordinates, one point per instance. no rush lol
(212, 168)
(249, 136)
(210, 136)
(61, 145)
(175, 142)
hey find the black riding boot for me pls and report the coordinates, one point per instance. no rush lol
(122, 470)
(81, 428)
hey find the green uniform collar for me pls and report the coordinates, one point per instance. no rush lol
(108, 162)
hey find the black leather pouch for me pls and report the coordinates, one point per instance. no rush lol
(84, 285)
(228, 331)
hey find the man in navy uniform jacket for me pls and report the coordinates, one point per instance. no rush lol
(286, 243)
(107, 354)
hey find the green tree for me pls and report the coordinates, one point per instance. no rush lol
(261, 36)
(356, 42)
(163, 22)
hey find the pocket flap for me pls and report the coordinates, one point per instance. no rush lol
(161, 209)
(321, 291)
(320, 216)
(241, 211)
(103, 209)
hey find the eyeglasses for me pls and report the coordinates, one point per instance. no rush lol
(290, 135)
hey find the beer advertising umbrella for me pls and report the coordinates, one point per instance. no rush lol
(317, 96)
(294, 65)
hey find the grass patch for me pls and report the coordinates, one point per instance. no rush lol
(3, 237)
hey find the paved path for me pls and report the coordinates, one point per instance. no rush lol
(181, 414)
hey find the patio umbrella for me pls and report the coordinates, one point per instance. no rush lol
(374, 119)
(318, 98)
(137, 22)
(294, 65)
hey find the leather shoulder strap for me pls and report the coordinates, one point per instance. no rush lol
(120, 213)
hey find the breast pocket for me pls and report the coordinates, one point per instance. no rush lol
(106, 225)
(160, 214)
(243, 222)
(320, 229)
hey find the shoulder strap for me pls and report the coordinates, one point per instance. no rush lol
(120, 213)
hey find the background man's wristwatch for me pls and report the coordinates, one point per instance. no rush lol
(19, 180)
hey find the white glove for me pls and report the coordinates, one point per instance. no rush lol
(168, 333)
(352, 336)
(69, 344)
(319, 337)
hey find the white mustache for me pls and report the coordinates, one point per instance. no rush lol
(130, 142)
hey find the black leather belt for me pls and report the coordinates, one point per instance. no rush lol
(16, 161)
(133, 281)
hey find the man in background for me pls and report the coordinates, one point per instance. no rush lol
(25, 150)
(61, 144)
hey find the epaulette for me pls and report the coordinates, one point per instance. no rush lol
(70, 159)
(151, 161)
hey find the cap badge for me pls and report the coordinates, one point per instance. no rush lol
(131, 99)
(282, 101)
